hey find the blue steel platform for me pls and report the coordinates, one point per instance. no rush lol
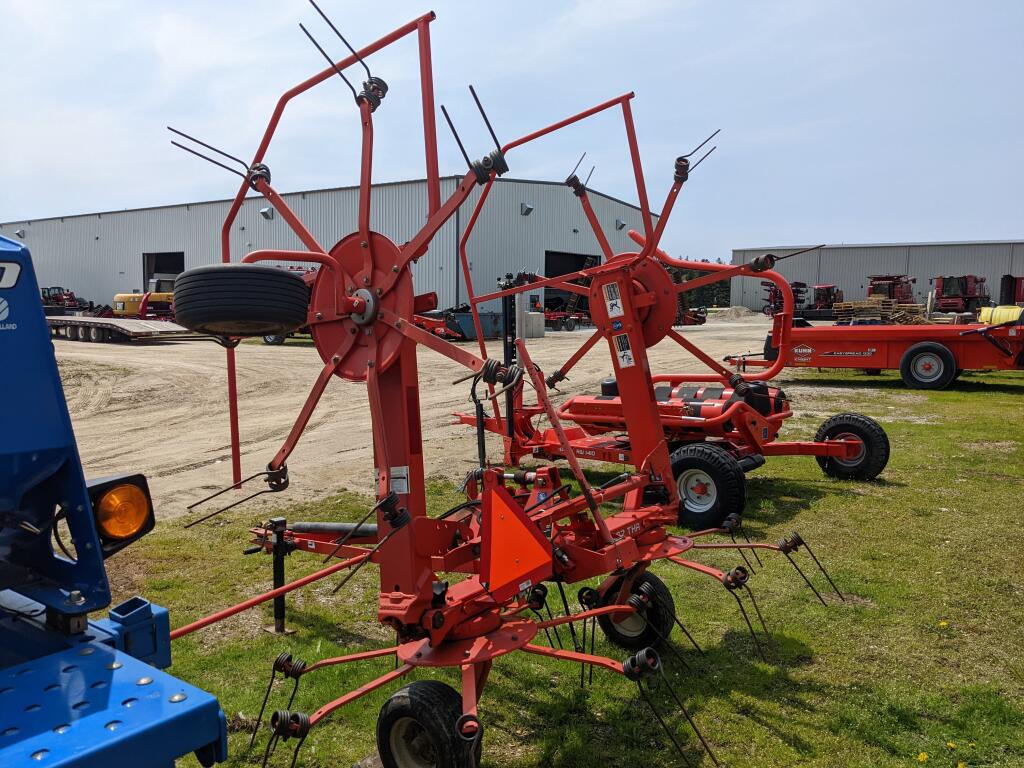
(92, 706)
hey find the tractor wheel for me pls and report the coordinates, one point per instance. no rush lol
(711, 485)
(417, 728)
(240, 300)
(928, 365)
(274, 339)
(635, 631)
(97, 335)
(768, 310)
(874, 454)
(570, 324)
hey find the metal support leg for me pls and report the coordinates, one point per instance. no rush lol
(279, 548)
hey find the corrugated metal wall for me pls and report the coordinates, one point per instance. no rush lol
(98, 255)
(849, 266)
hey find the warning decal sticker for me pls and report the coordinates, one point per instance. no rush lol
(623, 351)
(612, 300)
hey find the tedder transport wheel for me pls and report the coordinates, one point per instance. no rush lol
(711, 485)
(636, 631)
(417, 728)
(928, 365)
(274, 339)
(240, 300)
(874, 454)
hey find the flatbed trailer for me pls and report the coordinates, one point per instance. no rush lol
(102, 329)
(927, 356)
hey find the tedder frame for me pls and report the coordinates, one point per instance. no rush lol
(517, 530)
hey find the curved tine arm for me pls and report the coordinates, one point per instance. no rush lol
(270, 254)
(254, 601)
(439, 345)
(707, 570)
(365, 189)
(580, 353)
(467, 275)
(380, 440)
(310, 405)
(638, 169)
(359, 692)
(602, 238)
(575, 656)
(700, 354)
(737, 545)
(666, 211)
(362, 656)
(623, 99)
(584, 615)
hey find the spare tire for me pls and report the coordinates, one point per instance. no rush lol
(240, 300)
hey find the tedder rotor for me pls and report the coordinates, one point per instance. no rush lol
(717, 425)
(464, 588)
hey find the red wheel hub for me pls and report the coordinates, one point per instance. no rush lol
(358, 339)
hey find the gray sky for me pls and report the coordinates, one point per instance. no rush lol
(867, 121)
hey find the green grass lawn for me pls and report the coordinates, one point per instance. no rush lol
(924, 662)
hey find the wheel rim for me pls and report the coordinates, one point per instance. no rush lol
(697, 490)
(411, 745)
(631, 626)
(852, 438)
(927, 367)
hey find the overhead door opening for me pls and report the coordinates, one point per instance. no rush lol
(160, 269)
(558, 263)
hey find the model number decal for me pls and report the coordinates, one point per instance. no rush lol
(9, 271)
(854, 353)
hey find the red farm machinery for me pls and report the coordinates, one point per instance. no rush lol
(965, 293)
(467, 587)
(899, 288)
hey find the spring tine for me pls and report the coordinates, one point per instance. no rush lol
(483, 114)
(662, 722)
(295, 755)
(551, 616)
(361, 563)
(576, 167)
(229, 506)
(750, 626)
(668, 644)
(689, 719)
(753, 551)
(687, 633)
(220, 152)
(359, 525)
(468, 162)
(742, 553)
(271, 744)
(822, 569)
(756, 608)
(587, 181)
(237, 485)
(330, 61)
(572, 630)
(583, 666)
(295, 690)
(693, 151)
(702, 159)
(209, 159)
(804, 577)
(593, 637)
(263, 707)
(341, 37)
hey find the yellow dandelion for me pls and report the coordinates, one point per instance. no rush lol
(922, 757)
(951, 744)
(961, 764)
(943, 623)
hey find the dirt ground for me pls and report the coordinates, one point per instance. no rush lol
(161, 408)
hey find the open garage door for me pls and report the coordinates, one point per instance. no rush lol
(560, 263)
(161, 267)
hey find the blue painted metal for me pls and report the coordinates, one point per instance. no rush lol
(72, 693)
(39, 463)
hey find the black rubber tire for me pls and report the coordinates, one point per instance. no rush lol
(873, 371)
(274, 340)
(240, 300)
(958, 374)
(569, 325)
(931, 353)
(635, 631)
(872, 460)
(723, 471)
(425, 711)
(97, 335)
(75, 333)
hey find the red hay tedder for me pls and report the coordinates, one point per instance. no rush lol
(467, 587)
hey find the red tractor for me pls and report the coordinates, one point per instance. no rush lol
(1011, 290)
(966, 293)
(899, 288)
(59, 301)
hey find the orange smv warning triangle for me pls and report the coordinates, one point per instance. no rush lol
(515, 555)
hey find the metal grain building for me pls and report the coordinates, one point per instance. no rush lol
(525, 226)
(848, 266)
